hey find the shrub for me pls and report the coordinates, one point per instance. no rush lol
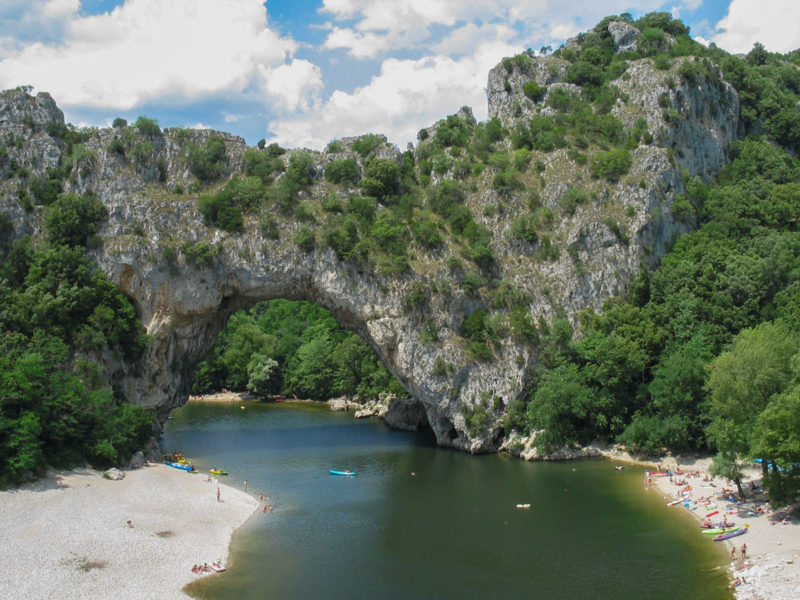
(524, 228)
(201, 254)
(571, 199)
(534, 91)
(208, 162)
(453, 131)
(301, 169)
(506, 182)
(261, 164)
(611, 165)
(148, 127)
(71, 219)
(426, 233)
(343, 170)
(381, 178)
(305, 239)
(367, 144)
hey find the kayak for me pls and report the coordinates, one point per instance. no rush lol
(720, 530)
(218, 471)
(338, 472)
(730, 534)
(180, 466)
(712, 513)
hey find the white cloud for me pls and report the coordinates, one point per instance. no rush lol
(358, 45)
(145, 50)
(773, 23)
(405, 96)
(296, 85)
(463, 40)
(383, 25)
(59, 9)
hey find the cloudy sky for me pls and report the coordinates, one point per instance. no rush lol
(304, 72)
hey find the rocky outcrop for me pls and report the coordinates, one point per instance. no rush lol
(624, 35)
(599, 246)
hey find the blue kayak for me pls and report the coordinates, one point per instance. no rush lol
(337, 472)
(180, 466)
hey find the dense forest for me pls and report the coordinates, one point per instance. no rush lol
(701, 354)
(58, 315)
(295, 349)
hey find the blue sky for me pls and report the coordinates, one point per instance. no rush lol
(303, 72)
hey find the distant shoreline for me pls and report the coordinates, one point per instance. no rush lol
(71, 535)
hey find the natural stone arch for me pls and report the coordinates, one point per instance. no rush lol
(184, 308)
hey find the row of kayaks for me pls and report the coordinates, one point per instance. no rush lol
(186, 466)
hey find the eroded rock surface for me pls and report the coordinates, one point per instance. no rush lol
(184, 305)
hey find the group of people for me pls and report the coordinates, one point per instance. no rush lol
(206, 568)
(267, 503)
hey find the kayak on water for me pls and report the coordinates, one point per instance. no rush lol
(339, 472)
(218, 471)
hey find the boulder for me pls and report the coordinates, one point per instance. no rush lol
(114, 474)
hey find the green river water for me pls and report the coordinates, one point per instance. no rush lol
(451, 530)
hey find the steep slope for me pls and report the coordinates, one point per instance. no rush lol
(445, 259)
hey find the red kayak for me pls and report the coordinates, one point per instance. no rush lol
(711, 514)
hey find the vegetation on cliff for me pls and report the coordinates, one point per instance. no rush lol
(486, 237)
(58, 314)
(702, 353)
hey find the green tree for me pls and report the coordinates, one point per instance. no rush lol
(742, 382)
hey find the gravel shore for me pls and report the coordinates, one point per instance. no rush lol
(771, 568)
(68, 536)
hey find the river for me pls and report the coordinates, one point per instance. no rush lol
(422, 522)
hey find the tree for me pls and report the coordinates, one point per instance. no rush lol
(776, 439)
(742, 382)
(263, 375)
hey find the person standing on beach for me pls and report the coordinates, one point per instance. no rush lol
(245, 486)
(744, 551)
(733, 553)
(218, 494)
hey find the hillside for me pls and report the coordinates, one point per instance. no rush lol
(465, 262)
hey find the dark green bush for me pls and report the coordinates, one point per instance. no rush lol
(305, 239)
(147, 127)
(534, 91)
(207, 162)
(611, 165)
(367, 144)
(342, 170)
(261, 164)
(71, 220)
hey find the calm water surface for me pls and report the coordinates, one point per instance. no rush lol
(450, 531)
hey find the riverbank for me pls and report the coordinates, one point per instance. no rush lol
(770, 569)
(77, 535)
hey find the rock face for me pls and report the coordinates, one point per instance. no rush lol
(184, 305)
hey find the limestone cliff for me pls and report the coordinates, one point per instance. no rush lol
(589, 254)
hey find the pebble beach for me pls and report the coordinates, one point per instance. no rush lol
(771, 568)
(67, 536)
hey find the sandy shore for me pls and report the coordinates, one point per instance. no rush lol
(771, 569)
(67, 536)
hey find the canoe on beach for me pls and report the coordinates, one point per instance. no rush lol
(724, 536)
(720, 530)
(180, 466)
(338, 472)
